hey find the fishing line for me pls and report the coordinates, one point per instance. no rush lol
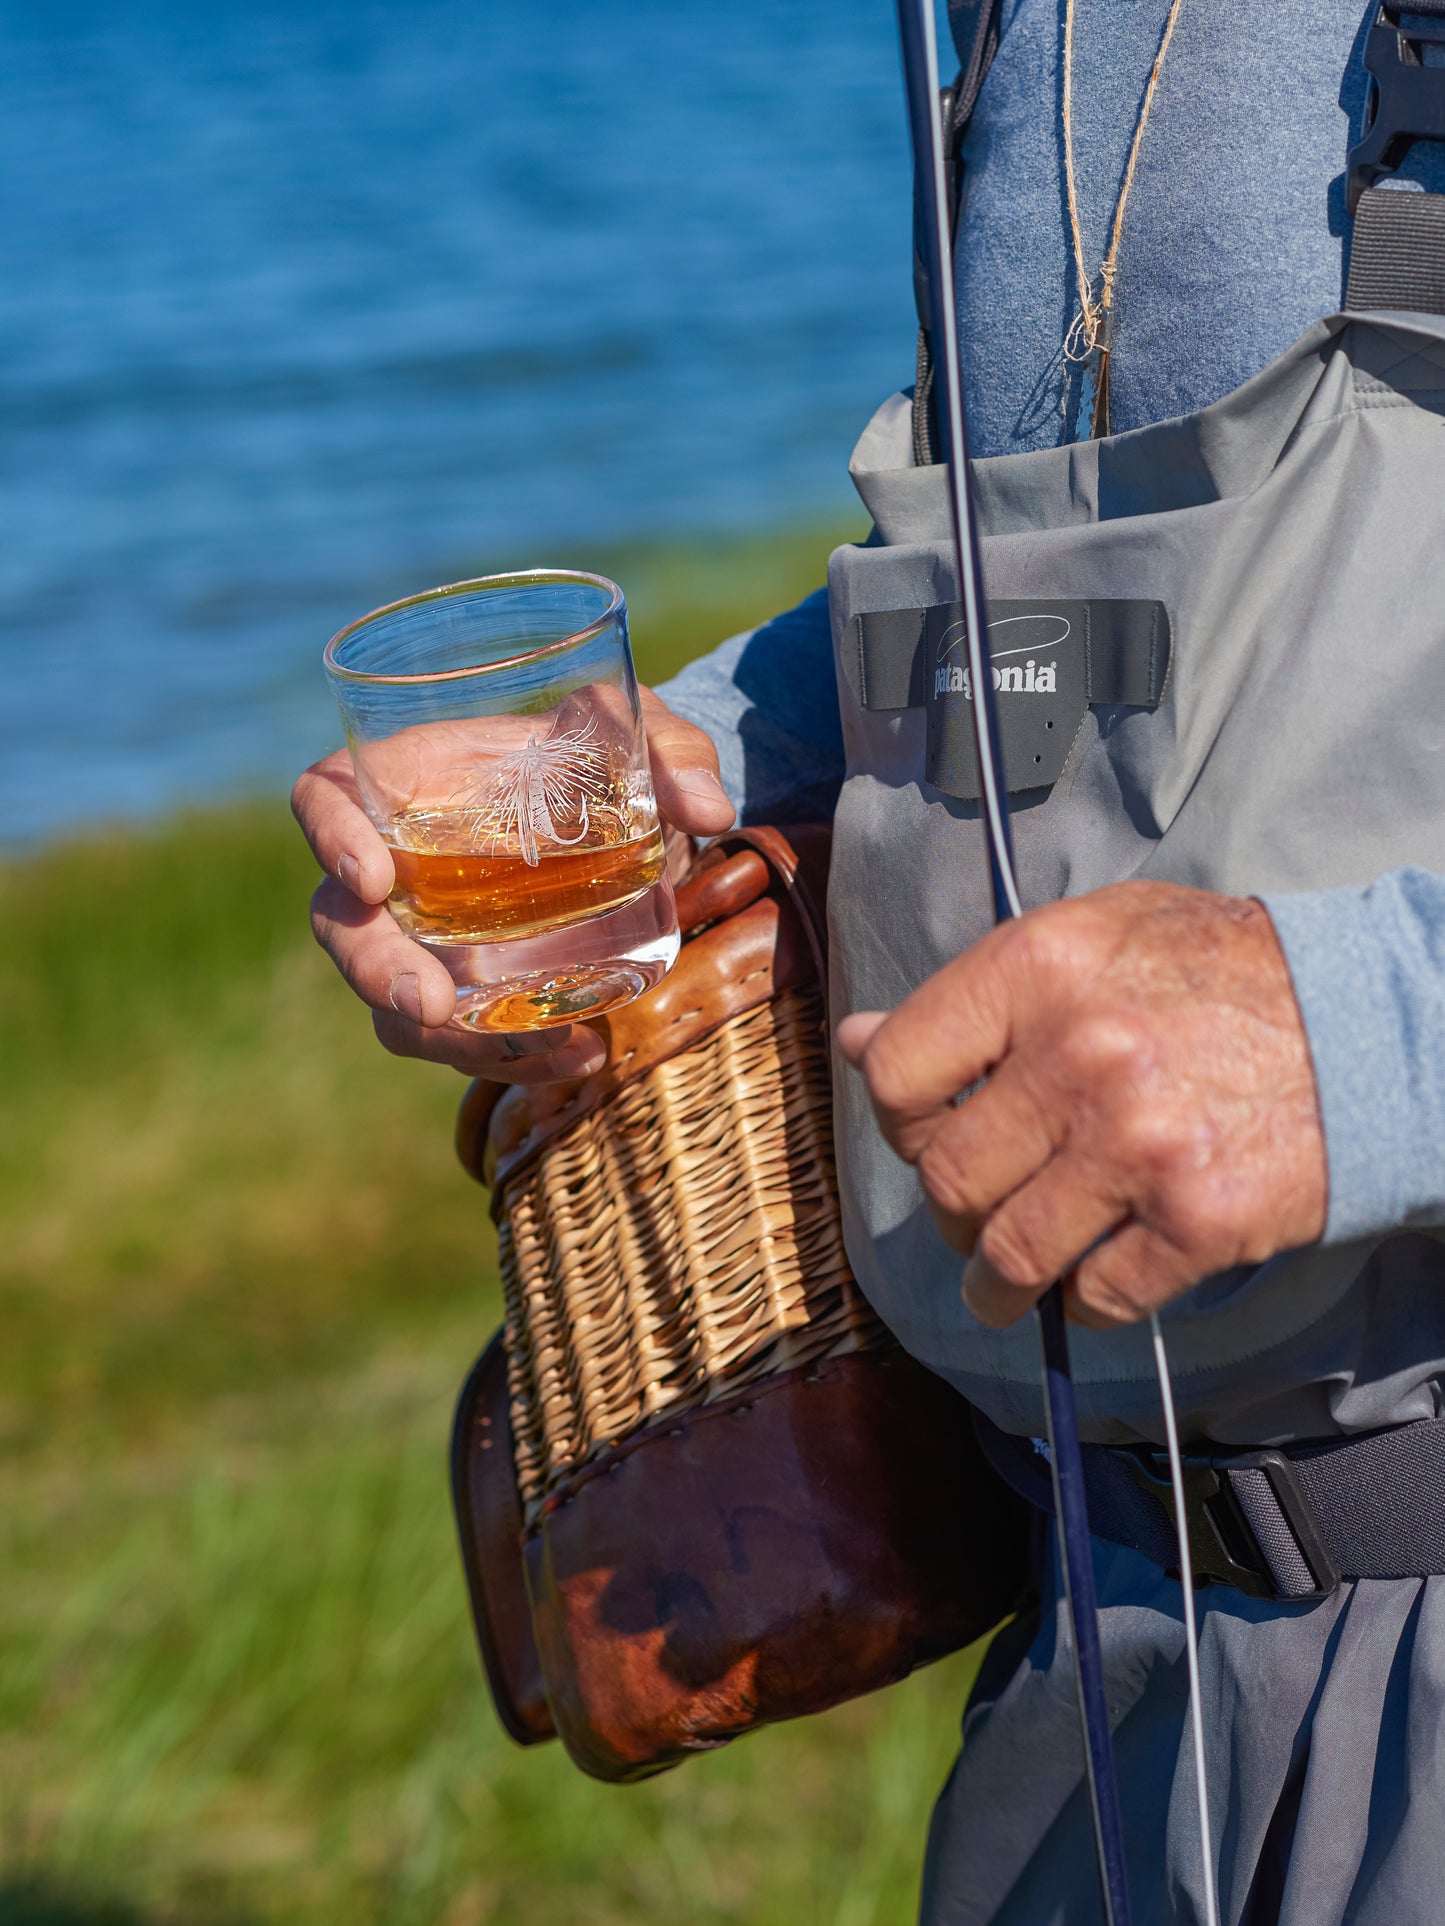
(1191, 1636)
(920, 72)
(1076, 1563)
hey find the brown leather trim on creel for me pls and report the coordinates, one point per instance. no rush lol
(768, 1558)
(746, 948)
(488, 1512)
(721, 883)
(731, 968)
(800, 856)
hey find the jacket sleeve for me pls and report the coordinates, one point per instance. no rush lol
(769, 701)
(1369, 972)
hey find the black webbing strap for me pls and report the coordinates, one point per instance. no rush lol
(974, 27)
(1397, 251)
(1125, 646)
(1284, 1524)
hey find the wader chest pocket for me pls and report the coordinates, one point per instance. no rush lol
(1052, 661)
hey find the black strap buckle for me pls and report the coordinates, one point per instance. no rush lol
(1409, 98)
(1223, 1546)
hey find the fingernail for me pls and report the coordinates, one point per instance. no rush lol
(533, 1043)
(556, 1065)
(979, 1285)
(703, 785)
(968, 1283)
(995, 1303)
(405, 994)
(856, 1032)
(580, 1060)
(349, 872)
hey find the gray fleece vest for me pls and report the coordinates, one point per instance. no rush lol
(1223, 665)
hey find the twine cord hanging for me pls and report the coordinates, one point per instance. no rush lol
(1089, 336)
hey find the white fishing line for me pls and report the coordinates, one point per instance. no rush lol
(1191, 1636)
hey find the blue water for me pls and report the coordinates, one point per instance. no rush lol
(308, 304)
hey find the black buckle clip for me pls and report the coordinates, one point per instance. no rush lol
(1409, 102)
(1223, 1548)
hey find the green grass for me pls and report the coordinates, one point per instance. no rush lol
(241, 1278)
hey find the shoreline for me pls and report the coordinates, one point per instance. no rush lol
(684, 596)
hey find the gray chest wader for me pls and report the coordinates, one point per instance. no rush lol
(1219, 653)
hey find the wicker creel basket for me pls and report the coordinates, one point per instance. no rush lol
(712, 1491)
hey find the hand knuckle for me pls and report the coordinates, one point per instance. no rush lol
(1003, 958)
(945, 1178)
(320, 918)
(1154, 1144)
(1062, 940)
(1130, 1275)
(1107, 1304)
(1109, 1293)
(1196, 1218)
(1101, 1047)
(312, 784)
(886, 1067)
(384, 1023)
(1011, 1247)
(1188, 1208)
(1043, 937)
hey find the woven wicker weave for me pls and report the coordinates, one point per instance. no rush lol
(732, 1497)
(678, 1245)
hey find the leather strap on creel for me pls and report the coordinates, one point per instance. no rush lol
(753, 920)
(490, 1530)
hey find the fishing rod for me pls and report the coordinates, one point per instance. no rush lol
(916, 28)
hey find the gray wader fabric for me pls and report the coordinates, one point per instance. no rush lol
(1325, 1745)
(1295, 534)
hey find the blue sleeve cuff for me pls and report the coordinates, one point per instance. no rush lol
(1369, 971)
(769, 700)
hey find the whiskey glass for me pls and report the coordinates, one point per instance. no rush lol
(496, 734)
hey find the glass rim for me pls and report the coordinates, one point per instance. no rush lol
(517, 578)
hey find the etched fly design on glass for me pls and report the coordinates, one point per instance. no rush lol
(524, 797)
(496, 732)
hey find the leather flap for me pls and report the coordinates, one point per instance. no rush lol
(813, 1538)
(488, 1510)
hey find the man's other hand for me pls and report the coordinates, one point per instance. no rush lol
(410, 991)
(1149, 1113)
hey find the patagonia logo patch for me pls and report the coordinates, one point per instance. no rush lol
(1041, 691)
(1052, 660)
(1037, 676)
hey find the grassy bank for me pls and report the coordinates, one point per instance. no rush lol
(240, 1280)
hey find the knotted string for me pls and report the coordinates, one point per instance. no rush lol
(1089, 336)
